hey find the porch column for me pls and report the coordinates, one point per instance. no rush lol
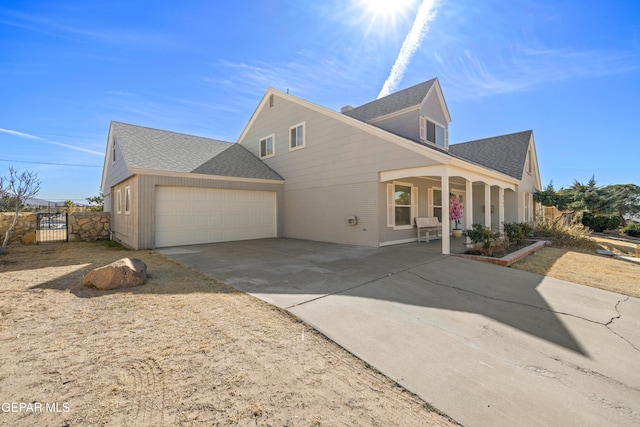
(487, 205)
(468, 207)
(446, 224)
(500, 209)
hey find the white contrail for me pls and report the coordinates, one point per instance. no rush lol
(20, 134)
(420, 27)
(47, 141)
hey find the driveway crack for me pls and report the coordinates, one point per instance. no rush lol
(523, 304)
(619, 316)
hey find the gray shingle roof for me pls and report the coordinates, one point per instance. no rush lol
(146, 148)
(237, 161)
(505, 153)
(397, 101)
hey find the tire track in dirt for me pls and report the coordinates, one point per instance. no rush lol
(145, 379)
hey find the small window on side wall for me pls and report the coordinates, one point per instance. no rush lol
(127, 200)
(119, 202)
(296, 137)
(267, 148)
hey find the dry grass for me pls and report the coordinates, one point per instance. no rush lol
(581, 264)
(181, 350)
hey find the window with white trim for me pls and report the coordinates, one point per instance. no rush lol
(113, 153)
(529, 162)
(527, 207)
(267, 147)
(402, 205)
(432, 132)
(127, 200)
(436, 203)
(119, 202)
(296, 137)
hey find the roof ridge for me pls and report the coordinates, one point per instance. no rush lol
(396, 93)
(493, 137)
(169, 131)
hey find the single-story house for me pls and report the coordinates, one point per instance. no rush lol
(299, 170)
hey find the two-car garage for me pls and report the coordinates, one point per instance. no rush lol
(191, 215)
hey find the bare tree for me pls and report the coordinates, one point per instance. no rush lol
(17, 188)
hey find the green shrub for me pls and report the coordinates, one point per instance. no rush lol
(632, 230)
(483, 237)
(517, 232)
(600, 222)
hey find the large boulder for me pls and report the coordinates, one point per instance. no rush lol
(124, 273)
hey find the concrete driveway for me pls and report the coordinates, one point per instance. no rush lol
(488, 345)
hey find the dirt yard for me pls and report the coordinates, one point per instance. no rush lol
(181, 350)
(587, 267)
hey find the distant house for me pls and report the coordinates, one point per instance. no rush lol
(300, 170)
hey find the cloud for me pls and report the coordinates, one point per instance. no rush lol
(426, 14)
(113, 36)
(525, 68)
(47, 141)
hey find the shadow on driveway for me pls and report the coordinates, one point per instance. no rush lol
(289, 273)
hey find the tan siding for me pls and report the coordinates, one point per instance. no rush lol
(321, 213)
(148, 184)
(125, 227)
(433, 109)
(406, 125)
(320, 177)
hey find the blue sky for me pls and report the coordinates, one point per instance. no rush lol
(569, 70)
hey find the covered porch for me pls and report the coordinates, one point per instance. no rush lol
(488, 198)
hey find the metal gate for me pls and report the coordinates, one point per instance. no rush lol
(52, 227)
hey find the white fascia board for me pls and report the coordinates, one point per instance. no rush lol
(532, 146)
(106, 159)
(205, 176)
(450, 171)
(254, 116)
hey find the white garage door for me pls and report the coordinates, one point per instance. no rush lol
(187, 216)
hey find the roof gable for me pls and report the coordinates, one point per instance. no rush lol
(160, 150)
(237, 161)
(505, 153)
(410, 97)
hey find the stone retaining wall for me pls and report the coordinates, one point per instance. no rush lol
(25, 230)
(82, 226)
(88, 226)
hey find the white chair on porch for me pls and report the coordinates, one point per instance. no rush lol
(427, 225)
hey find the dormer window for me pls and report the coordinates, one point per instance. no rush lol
(432, 132)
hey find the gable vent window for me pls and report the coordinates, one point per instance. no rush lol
(270, 100)
(432, 132)
(296, 137)
(266, 147)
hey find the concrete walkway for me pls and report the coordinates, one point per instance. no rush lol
(488, 345)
